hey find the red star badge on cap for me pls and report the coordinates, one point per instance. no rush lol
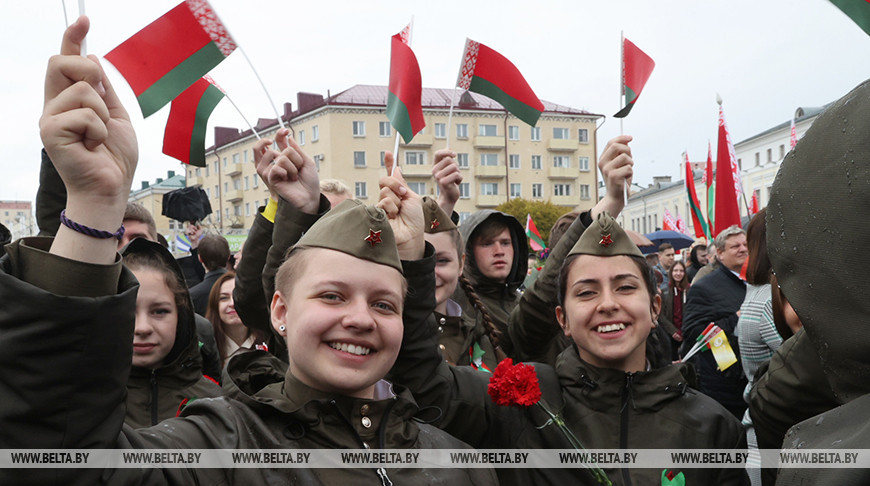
(374, 237)
(606, 240)
(435, 224)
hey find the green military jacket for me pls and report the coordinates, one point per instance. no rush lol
(74, 336)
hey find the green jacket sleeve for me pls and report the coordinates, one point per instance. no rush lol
(533, 327)
(50, 198)
(249, 297)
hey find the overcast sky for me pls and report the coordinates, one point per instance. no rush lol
(765, 58)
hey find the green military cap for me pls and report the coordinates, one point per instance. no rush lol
(358, 230)
(604, 237)
(435, 219)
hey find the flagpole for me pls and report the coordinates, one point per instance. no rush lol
(450, 116)
(242, 115)
(396, 145)
(263, 85)
(65, 18)
(621, 93)
(84, 50)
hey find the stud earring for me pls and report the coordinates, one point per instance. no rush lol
(282, 328)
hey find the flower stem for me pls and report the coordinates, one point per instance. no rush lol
(555, 418)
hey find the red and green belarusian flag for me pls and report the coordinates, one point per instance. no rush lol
(489, 73)
(701, 228)
(636, 69)
(727, 180)
(173, 52)
(404, 101)
(184, 137)
(535, 240)
(857, 10)
(711, 193)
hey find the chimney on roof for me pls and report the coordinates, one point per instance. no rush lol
(659, 180)
(144, 184)
(308, 101)
(159, 180)
(224, 135)
(170, 174)
(466, 100)
(288, 110)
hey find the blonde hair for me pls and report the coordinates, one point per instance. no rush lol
(334, 186)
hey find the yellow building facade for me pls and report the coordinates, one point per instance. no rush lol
(500, 157)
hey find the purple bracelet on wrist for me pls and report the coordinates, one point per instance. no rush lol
(85, 230)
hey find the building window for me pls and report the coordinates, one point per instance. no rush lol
(315, 133)
(225, 162)
(769, 155)
(537, 191)
(246, 156)
(301, 137)
(757, 194)
(415, 158)
(247, 183)
(514, 161)
(561, 189)
(360, 191)
(487, 130)
(584, 164)
(463, 215)
(514, 132)
(536, 134)
(237, 210)
(583, 135)
(227, 212)
(197, 171)
(489, 189)
(206, 167)
(359, 128)
(461, 130)
(247, 209)
(383, 158)
(464, 190)
(489, 159)
(218, 216)
(418, 187)
(208, 192)
(462, 160)
(256, 181)
(560, 133)
(757, 159)
(226, 187)
(359, 159)
(236, 184)
(536, 162)
(781, 155)
(584, 191)
(516, 190)
(440, 130)
(217, 191)
(384, 129)
(235, 158)
(562, 161)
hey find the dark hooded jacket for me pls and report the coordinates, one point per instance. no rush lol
(5, 238)
(500, 298)
(817, 243)
(154, 395)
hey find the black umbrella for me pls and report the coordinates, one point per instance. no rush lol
(186, 204)
(675, 238)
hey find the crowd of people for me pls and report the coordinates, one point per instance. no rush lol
(346, 326)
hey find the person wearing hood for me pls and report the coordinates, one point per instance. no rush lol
(167, 365)
(816, 391)
(496, 264)
(5, 238)
(340, 305)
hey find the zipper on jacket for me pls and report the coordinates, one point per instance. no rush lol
(623, 424)
(154, 397)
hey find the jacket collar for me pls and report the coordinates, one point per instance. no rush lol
(602, 389)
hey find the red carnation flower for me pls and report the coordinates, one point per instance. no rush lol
(514, 384)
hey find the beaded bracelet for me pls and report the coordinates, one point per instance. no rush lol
(85, 230)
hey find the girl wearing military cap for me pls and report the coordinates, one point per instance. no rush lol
(340, 305)
(603, 385)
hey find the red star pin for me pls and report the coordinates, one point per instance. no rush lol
(436, 224)
(374, 237)
(606, 241)
(670, 475)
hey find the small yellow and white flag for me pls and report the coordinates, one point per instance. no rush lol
(722, 352)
